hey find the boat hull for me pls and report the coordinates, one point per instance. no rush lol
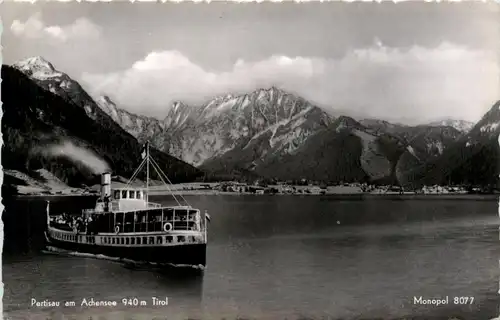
(184, 255)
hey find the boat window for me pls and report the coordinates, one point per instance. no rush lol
(127, 240)
(154, 220)
(129, 222)
(122, 241)
(180, 238)
(124, 194)
(144, 240)
(113, 240)
(132, 240)
(140, 217)
(181, 215)
(158, 239)
(168, 239)
(151, 240)
(192, 215)
(117, 194)
(105, 240)
(138, 240)
(119, 219)
(131, 194)
(139, 195)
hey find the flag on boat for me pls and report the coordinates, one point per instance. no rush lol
(207, 216)
(48, 212)
(144, 150)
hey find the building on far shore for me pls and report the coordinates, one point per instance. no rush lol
(436, 189)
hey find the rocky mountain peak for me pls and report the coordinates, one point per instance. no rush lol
(34, 63)
(37, 67)
(461, 125)
(106, 99)
(345, 122)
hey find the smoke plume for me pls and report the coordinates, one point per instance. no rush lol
(76, 154)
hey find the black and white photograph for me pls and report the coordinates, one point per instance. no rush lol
(273, 160)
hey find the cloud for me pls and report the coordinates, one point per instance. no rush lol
(35, 28)
(412, 83)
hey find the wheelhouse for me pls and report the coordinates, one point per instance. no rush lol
(125, 199)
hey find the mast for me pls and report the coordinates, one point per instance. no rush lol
(147, 165)
(147, 170)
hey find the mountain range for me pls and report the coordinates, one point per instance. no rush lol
(50, 122)
(271, 133)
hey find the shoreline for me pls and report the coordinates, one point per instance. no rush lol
(365, 195)
(212, 189)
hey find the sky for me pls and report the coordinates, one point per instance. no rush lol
(410, 62)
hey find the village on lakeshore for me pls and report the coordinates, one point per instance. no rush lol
(296, 187)
(305, 187)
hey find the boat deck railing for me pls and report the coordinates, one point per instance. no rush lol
(154, 205)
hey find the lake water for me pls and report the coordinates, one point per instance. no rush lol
(277, 257)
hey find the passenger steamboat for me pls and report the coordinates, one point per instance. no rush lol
(125, 225)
